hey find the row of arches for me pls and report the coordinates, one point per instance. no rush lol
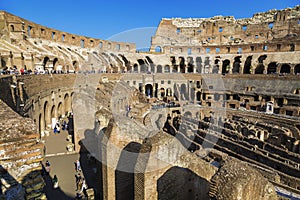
(52, 111)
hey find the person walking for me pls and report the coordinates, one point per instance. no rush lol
(83, 186)
(47, 167)
(77, 166)
(78, 180)
(55, 182)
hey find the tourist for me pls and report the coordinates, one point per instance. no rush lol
(47, 168)
(83, 186)
(77, 166)
(55, 182)
(78, 180)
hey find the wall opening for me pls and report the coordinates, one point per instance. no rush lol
(158, 49)
(247, 65)
(297, 69)
(236, 65)
(285, 69)
(272, 68)
(225, 66)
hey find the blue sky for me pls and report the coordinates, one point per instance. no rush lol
(107, 19)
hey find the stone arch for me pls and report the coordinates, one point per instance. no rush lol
(67, 103)
(259, 68)
(135, 68)
(247, 65)
(47, 114)
(216, 67)
(169, 92)
(198, 96)
(285, 69)
(159, 69)
(55, 63)
(297, 69)
(158, 49)
(167, 69)
(45, 61)
(236, 65)
(199, 64)
(149, 90)
(125, 172)
(162, 92)
(272, 68)
(53, 112)
(75, 65)
(226, 66)
(59, 110)
(182, 64)
(184, 92)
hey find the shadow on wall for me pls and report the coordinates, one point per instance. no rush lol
(181, 183)
(90, 160)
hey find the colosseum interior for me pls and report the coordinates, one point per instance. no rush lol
(210, 112)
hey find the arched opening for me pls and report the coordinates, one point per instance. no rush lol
(183, 92)
(46, 59)
(149, 90)
(159, 69)
(182, 183)
(167, 69)
(55, 63)
(190, 68)
(67, 103)
(216, 67)
(169, 92)
(297, 69)
(260, 68)
(181, 65)
(75, 65)
(225, 66)
(198, 96)
(247, 65)
(162, 92)
(143, 66)
(47, 114)
(53, 113)
(12, 28)
(158, 49)
(192, 94)
(199, 64)
(125, 172)
(59, 110)
(135, 68)
(207, 65)
(285, 69)
(236, 65)
(272, 68)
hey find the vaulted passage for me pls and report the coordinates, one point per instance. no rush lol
(297, 69)
(124, 175)
(272, 68)
(182, 183)
(247, 66)
(260, 69)
(225, 66)
(236, 65)
(181, 64)
(149, 90)
(285, 69)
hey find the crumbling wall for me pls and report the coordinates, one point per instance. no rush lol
(21, 153)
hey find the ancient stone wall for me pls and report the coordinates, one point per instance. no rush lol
(274, 30)
(21, 156)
